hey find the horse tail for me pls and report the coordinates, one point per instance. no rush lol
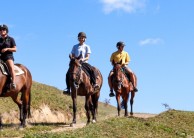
(122, 104)
(29, 105)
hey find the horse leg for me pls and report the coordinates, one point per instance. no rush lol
(74, 110)
(25, 107)
(95, 107)
(131, 102)
(19, 103)
(125, 100)
(1, 123)
(118, 103)
(87, 107)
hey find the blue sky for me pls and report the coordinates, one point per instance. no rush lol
(159, 37)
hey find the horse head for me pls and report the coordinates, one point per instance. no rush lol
(118, 73)
(75, 70)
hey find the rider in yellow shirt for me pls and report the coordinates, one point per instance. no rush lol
(117, 57)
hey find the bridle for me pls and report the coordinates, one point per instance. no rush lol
(77, 79)
(118, 80)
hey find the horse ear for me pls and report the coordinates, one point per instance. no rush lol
(79, 56)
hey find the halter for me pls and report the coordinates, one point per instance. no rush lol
(77, 80)
(120, 80)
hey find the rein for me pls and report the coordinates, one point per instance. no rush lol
(77, 81)
(120, 80)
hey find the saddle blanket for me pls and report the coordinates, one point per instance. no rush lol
(17, 70)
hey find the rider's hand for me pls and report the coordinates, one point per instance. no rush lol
(123, 65)
(81, 60)
(4, 50)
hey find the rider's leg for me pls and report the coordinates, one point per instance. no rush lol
(132, 78)
(10, 65)
(94, 80)
(110, 84)
(93, 76)
(67, 90)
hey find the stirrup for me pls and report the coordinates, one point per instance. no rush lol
(12, 86)
(96, 86)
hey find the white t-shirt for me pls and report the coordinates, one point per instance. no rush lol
(81, 49)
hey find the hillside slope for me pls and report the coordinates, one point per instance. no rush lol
(48, 104)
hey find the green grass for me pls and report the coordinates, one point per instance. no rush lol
(169, 124)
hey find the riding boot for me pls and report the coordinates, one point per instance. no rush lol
(111, 93)
(67, 91)
(134, 88)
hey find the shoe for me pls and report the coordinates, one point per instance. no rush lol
(12, 86)
(135, 89)
(66, 91)
(111, 93)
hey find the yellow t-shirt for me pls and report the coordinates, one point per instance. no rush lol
(118, 56)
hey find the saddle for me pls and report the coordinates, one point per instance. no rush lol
(87, 68)
(127, 75)
(5, 70)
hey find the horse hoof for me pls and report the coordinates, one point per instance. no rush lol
(88, 123)
(131, 114)
(72, 125)
(21, 128)
(93, 121)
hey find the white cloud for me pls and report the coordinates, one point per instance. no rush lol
(150, 41)
(125, 5)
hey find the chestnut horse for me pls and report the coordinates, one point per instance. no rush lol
(80, 85)
(122, 87)
(23, 85)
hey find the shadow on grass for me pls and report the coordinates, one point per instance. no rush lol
(14, 125)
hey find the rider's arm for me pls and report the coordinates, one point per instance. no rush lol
(12, 49)
(86, 58)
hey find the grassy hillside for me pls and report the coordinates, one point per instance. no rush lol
(167, 124)
(52, 97)
(170, 124)
(44, 97)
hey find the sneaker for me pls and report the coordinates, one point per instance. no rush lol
(66, 91)
(111, 93)
(12, 86)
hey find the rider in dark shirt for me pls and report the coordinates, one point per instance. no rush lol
(7, 47)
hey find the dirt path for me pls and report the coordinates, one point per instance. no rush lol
(81, 125)
(44, 114)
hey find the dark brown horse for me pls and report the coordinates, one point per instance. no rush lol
(80, 85)
(23, 83)
(123, 87)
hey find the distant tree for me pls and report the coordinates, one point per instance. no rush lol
(106, 102)
(166, 106)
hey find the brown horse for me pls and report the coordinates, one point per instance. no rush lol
(122, 87)
(80, 85)
(23, 83)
